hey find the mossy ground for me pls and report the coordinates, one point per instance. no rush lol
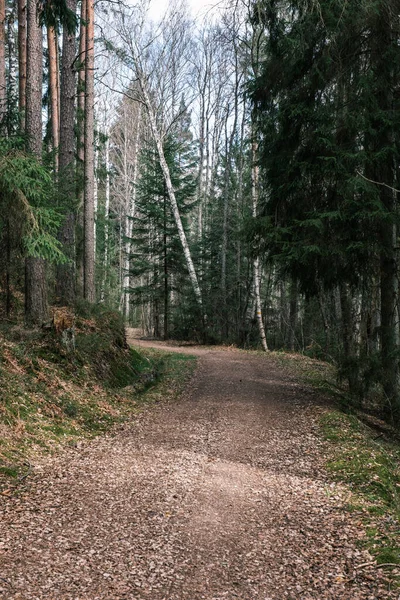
(362, 452)
(50, 397)
(369, 463)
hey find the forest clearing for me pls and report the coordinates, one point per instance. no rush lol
(221, 494)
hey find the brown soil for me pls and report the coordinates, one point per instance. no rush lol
(221, 495)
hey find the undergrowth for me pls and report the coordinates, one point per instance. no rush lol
(50, 397)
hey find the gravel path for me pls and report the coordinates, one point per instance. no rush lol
(218, 496)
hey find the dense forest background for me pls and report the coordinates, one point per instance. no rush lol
(227, 179)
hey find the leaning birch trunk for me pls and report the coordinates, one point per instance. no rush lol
(171, 194)
(256, 261)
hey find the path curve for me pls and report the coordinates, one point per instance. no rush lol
(220, 495)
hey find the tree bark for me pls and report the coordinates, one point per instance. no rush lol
(256, 261)
(106, 223)
(53, 87)
(3, 88)
(383, 39)
(89, 237)
(22, 60)
(81, 147)
(131, 206)
(36, 306)
(166, 275)
(293, 306)
(349, 363)
(66, 290)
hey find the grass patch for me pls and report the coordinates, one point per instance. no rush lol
(50, 398)
(370, 466)
(364, 453)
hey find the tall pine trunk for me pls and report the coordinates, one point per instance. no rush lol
(89, 237)
(383, 40)
(81, 148)
(36, 305)
(66, 272)
(22, 60)
(3, 90)
(54, 91)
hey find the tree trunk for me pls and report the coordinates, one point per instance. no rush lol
(53, 87)
(22, 60)
(81, 147)
(166, 288)
(89, 238)
(36, 306)
(66, 273)
(292, 315)
(383, 40)
(256, 262)
(131, 210)
(3, 89)
(106, 223)
(349, 364)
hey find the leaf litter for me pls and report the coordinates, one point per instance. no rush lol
(220, 495)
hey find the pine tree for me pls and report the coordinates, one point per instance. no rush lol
(325, 109)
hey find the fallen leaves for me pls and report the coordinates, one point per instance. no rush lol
(180, 506)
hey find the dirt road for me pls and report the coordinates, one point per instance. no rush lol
(221, 495)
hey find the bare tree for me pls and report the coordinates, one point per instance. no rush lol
(158, 62)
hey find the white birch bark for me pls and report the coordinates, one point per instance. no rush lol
(131, 213)
(256, 261)
(95, 195)
(106, 218)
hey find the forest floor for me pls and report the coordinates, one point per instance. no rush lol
(222, 494)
